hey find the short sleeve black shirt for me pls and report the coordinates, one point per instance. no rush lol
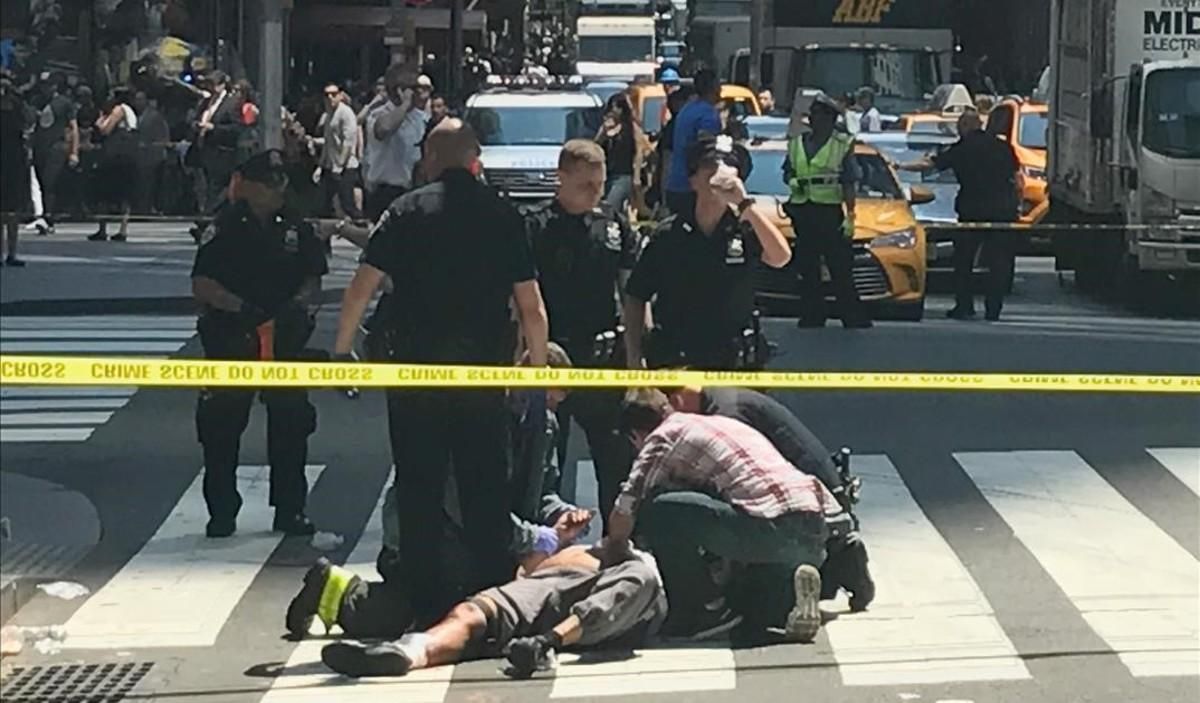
(264, 264)
(453, 249)
(986, 168)
(579, 259)
(702, 285)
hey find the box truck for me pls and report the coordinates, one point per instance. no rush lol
(1124, 142)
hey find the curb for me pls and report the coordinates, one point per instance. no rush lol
(120, 306)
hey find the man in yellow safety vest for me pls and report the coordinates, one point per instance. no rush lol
(822, 175)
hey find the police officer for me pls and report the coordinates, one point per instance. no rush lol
(990, 185)
(822, 175)
(254, 276)
(699, 267)
(456, 253)
(584, 251)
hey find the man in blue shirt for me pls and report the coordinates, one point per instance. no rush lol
(699, 115)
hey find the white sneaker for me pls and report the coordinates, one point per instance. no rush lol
(40, 226)
(804, 621)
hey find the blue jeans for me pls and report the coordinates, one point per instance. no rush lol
(618, 191)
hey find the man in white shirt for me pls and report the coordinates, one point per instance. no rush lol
(339, 147)
(395, 130)
(869, 120)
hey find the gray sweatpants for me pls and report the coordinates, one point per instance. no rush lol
(618, 601)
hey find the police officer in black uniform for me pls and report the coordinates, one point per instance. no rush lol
(456, 253)
(584, 251)
(254, 277)
(699, 269)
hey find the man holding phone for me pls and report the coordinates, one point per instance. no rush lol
(395, 130)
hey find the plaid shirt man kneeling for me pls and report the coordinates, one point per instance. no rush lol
(715, 485)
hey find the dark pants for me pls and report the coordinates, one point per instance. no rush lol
(375, 609)
(819, 235)
(598, 412)
(998, 257)
(221, 417)
(341, 186)
(380, 198)
(664, 350)
(678, 525)
(219, 165)
(680, 202)
(49, 163)
(432, 431)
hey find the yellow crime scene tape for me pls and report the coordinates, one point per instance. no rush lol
(185, 373)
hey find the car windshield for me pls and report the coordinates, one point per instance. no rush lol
(766, 177)
(910, 151)
(652, 113)
(945, 127)
(1032, 132)
(616, 49)
(1173, 113)
(604, 91)
(525, 126)
(901, 78)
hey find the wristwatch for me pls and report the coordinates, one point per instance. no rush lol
(744, 205)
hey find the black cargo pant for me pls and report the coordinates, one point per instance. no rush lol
(432, 431)
(222, 416)
(819, 235)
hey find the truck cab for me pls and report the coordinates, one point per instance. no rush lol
(522, 127)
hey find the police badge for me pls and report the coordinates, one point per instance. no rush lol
(735, 252)
(291, 240)
(612, 238)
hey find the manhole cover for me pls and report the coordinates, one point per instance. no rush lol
(72, 683)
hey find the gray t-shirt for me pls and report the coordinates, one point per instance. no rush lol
(52, 121)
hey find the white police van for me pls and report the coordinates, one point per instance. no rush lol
(522, 123)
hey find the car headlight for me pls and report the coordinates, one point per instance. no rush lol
(1034, 172)
(904, 239)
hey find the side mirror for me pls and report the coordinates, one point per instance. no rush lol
(919, 195)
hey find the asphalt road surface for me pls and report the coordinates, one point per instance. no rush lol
(1032, 547)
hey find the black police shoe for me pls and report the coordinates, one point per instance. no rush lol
(957, 313)
(356, 659)
(527, 655)
(220, 527)
(859, 324)
(293, 524)
(303, 607)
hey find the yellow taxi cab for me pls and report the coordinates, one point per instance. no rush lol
(1024, 125)
(889, 243)
(650, 104)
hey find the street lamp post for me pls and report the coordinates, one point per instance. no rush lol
(271, 51)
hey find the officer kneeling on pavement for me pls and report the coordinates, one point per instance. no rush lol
(254, 277)
(699, 268)
(822, 174)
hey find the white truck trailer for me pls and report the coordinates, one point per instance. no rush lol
(616, 39)
(1124, 143)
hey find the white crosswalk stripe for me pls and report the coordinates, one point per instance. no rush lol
(930, 624)
(71, 414)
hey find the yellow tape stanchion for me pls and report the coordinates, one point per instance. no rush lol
(183, 373)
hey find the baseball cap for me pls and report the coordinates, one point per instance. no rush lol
(669, 75)
(266, 167)
(424, 81)
(822, 98)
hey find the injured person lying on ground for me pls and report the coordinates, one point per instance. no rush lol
(572, 599)
(542, 524)
(707, 493)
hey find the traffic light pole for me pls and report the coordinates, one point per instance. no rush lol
(456, 48)
(271, 51)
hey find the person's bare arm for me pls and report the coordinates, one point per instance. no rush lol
(386, 125)
(347, 128)
(73, 142)
(775, 250)
(633, 316)
(354, 306)
(535, 325)
(109, 121)
(207, 291)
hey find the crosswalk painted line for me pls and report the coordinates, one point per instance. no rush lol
(1184, 462)
(647, 671)
(930, 622)
(33, 414)
(1133, 584)
(305, 679)
(181, 587)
